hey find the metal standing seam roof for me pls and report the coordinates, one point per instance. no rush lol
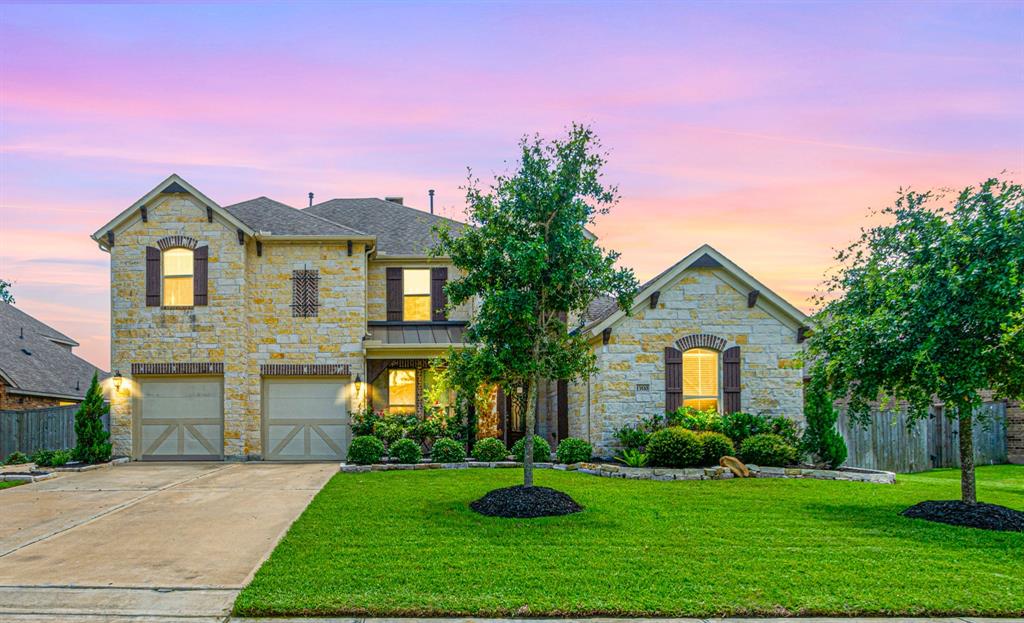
(31, 360)
(418, 334)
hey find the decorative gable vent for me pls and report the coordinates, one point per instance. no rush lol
(305, 293)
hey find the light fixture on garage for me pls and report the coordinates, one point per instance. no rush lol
(117, 380)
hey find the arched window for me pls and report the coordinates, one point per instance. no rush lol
(700, 379)
(178, 277)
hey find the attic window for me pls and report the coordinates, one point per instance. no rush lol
(305, 293)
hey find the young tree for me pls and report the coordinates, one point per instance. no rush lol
(532, 264)
(926, 308)
(5, 292)
(93, 444)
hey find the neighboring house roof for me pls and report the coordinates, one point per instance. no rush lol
(275, 218)
(604, 312)
(400, 230)
(36, 359)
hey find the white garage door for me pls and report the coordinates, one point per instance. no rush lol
(180, 418)
(305, 419)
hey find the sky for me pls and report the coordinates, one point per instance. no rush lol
(768, 130)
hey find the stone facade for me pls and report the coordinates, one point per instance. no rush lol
(247, 322)
(630, 382)
(376, 286)
(23, 402)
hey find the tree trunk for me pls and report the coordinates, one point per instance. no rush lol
(529, 423)
(965, 413)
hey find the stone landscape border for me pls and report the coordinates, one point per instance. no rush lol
(610, 470)
(30, 472)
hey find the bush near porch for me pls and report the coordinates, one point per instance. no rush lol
(407, 544)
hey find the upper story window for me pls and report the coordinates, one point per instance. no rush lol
(700, 379)
(416, 294)
(178, 278)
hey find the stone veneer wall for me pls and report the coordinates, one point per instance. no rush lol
(376, 288)
(702, 301)
(247, 322)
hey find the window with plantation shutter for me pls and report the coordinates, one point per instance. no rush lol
(305, 293)
(700, 379)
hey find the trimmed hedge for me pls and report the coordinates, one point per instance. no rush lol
(715, 446)
(406, 451)
(447, 450)
(573, 450)
(541, 449)
(489, 450)
(365, 450)
(769, 450)
(675, 447)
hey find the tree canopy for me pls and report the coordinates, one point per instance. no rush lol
(532, 265)
(928, 307)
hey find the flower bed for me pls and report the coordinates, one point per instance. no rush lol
(609, 470)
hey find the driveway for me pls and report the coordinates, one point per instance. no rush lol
(160, 539)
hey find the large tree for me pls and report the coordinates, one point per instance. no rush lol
(5, 292)
(928, 307)
(530, 261)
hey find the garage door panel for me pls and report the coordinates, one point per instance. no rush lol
(181, 418)
(306, 419)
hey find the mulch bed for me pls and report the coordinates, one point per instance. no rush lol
(525, 502)
(958, 513)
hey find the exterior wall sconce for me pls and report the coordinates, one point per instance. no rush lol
(118, 379)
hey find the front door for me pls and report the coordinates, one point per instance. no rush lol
(513, 423)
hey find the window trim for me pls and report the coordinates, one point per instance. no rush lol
(718, 398)
(164, 277)
(422, 295)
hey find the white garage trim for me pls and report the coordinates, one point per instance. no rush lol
(178, 418)
(305, 418)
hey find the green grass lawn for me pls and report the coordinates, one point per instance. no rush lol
(406, 543)
(7, 484)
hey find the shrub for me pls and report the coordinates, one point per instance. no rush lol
(391, 428)
(365, 450)
(489, 450)
(406, 451)
(93, 440)
(821, 439)
(715, 446)
(739, 425)
(767, 449)
(631, 437)
(674, 447)
(363, 422)
(633, 458)
(447, 450)
(541, 449)
(16, 458)
(695, 419)
(51, 458)
(573, 450)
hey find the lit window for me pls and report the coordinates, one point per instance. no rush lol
(700, 379)
(416, 294)
(177, 272)
(401, 390)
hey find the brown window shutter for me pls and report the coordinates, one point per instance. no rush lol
(563, 409)
(438, 299)
(394, 293)
(200, 275)
(673, 379)
(152, 277)
(731, 380)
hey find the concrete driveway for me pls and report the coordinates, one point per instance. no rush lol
(159, 539)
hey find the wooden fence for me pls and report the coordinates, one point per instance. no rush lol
(887, 443)
(52, 428)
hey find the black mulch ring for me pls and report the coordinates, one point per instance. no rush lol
(525, 502)
(957, 513)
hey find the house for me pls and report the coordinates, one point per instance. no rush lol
(37, 366)
(254, 330)
(703, 333)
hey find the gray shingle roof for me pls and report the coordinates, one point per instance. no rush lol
(266, 215)
(400, 230)
(34, 363)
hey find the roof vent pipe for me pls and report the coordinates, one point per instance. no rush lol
(431, 193)
(311, 200)
(22, 333)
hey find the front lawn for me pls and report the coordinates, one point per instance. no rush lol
(7, 484)
(406, 543)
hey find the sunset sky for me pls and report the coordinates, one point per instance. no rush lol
(765, 130)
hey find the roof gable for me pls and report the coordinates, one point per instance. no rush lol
(603, 313)
(278, 219)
